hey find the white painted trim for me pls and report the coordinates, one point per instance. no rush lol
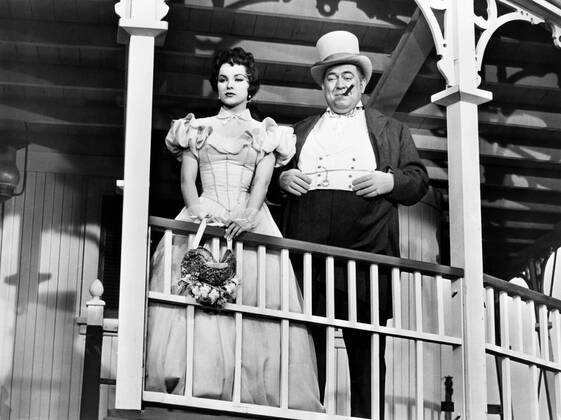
(134, 247)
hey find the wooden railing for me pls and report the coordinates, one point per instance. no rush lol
(524, 334)
(432, 288)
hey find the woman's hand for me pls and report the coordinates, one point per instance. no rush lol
(244, 222)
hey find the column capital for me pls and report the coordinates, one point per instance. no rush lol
(138, 27)
(142, 18)
(455, 94)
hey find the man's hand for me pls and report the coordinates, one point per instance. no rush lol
(294, 182)
(373, 184)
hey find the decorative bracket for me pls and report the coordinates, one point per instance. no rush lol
(494, 22)
(555, 34)
(444, 51)
(521, 10)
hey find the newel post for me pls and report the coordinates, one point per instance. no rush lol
(141, 28)
(89, 404)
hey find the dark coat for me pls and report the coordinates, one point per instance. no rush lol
(394, 150)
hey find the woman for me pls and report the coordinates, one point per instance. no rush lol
(234, 155)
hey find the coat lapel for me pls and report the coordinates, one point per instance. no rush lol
(375, 122)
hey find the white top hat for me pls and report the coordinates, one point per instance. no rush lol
(339, 47)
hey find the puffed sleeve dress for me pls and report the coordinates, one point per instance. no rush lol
(228, 148)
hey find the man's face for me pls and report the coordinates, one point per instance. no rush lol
(336, 83)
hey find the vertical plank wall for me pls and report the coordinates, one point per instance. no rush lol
(419, 241)
(49, 256)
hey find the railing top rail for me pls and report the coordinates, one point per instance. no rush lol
(254, 239)
(515, 290)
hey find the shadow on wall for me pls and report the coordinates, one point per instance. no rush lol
(52, 232)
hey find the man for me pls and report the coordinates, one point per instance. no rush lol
(352, 167)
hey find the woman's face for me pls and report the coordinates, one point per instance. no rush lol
(232, 86)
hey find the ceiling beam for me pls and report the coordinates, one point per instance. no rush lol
(393, 15)
(70, 11)
(48, 75)
(53, 112)
(58, 33)
(407, 59)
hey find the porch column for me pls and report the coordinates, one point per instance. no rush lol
(461, 100)
(138, 28)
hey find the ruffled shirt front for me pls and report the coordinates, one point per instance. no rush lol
(228, 148)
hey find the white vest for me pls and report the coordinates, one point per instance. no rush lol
(337, 151)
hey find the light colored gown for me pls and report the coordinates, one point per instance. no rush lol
(228, 148)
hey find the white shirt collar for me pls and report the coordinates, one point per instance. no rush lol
(359, 107)
(226, 115)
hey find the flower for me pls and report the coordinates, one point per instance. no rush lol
(208, 294)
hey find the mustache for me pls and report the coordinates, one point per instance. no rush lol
(346, 93)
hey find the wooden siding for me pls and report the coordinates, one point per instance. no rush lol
(8, 296)
(49, 252)
(419, 241)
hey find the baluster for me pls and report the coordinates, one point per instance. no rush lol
(505, 361)
(189, 357)
(168, 236)
(215, 244)
(261, 276)
(374, 295)
(330, 379)
(330, 382)
(440, 305)
(147, 263)
(544, 336)
(490, 312)
(236, 393)
(419, 366)
(351, 282)
(285, 331)
(518, 344)
(330, 288)
(531, 339)
(556, 356)
(239, 271)
(308, 283)
(396, 295)
(374, 343)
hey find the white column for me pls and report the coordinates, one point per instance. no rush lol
(461, 101)
(138, 130)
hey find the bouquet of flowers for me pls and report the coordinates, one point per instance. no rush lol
(210, 282)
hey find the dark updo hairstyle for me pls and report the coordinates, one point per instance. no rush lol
(236, 56)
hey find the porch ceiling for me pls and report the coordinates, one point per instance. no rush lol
(62, 87)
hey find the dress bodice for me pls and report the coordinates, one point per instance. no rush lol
(226, 177)
(228, 148)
